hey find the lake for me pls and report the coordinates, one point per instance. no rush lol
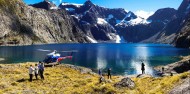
(123, 59)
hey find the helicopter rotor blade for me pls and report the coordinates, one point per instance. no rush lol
(70, 51)
(44, 50)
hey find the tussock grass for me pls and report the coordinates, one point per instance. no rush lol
(10, 6)
(59, 80)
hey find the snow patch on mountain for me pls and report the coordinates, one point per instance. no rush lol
(138, 20)
(118, 39)
(70, 9)
(126, 10)
(111, 36)
(101, 21)
(77, 5)
(143, 14)
(54, 8)
(91, 39)
(133, 22)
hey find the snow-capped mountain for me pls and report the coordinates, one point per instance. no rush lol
(105, 24)
(100, 22)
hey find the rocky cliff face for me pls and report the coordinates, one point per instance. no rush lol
(169, 32)
(25, 25)
(182, 39)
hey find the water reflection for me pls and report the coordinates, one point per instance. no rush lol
(141, 56)
(101, 60)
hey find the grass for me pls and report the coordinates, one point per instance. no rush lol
(60, 79)
(10, 6)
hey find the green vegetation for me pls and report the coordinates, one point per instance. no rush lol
(60, 79)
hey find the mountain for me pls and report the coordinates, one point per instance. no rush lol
(169, 32)
(97, 22)
(81, 23)
(101, 22)
(46, 4)
(164, 15)
(182, 39)
(117, 21)
(25, 25)
(147, 28)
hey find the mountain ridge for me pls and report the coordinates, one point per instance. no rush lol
(83, 23)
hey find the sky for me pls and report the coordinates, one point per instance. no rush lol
(139, 7)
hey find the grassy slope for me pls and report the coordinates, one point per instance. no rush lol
(60, 79)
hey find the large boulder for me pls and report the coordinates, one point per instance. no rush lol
(125, 82)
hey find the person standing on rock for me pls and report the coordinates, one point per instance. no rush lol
(143, 68)
(109, 73)
(31, 69)
(41, 70)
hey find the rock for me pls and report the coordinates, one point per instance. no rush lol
(125, 82)
(183, 88)
(143, 75)
(102, 79)
(109, 81)
(175, 68)
(83, 70)
(28, 92)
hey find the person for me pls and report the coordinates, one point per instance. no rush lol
(109, 73)
(162, 69)
(41, 70)
(143, 68)
(99, 72)
(31, 69)
(36, 71)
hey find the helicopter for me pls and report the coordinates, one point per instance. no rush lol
(55, 56)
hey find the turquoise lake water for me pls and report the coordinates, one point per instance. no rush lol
(124, 59)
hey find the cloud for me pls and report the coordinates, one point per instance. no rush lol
(60, 1)
(143, 14)
(55, 2)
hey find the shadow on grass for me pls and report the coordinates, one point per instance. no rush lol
(21, 80)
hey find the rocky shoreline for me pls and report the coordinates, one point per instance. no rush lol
(175, 68)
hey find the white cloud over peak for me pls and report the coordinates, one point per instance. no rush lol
(60, 1)
(143, 14)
